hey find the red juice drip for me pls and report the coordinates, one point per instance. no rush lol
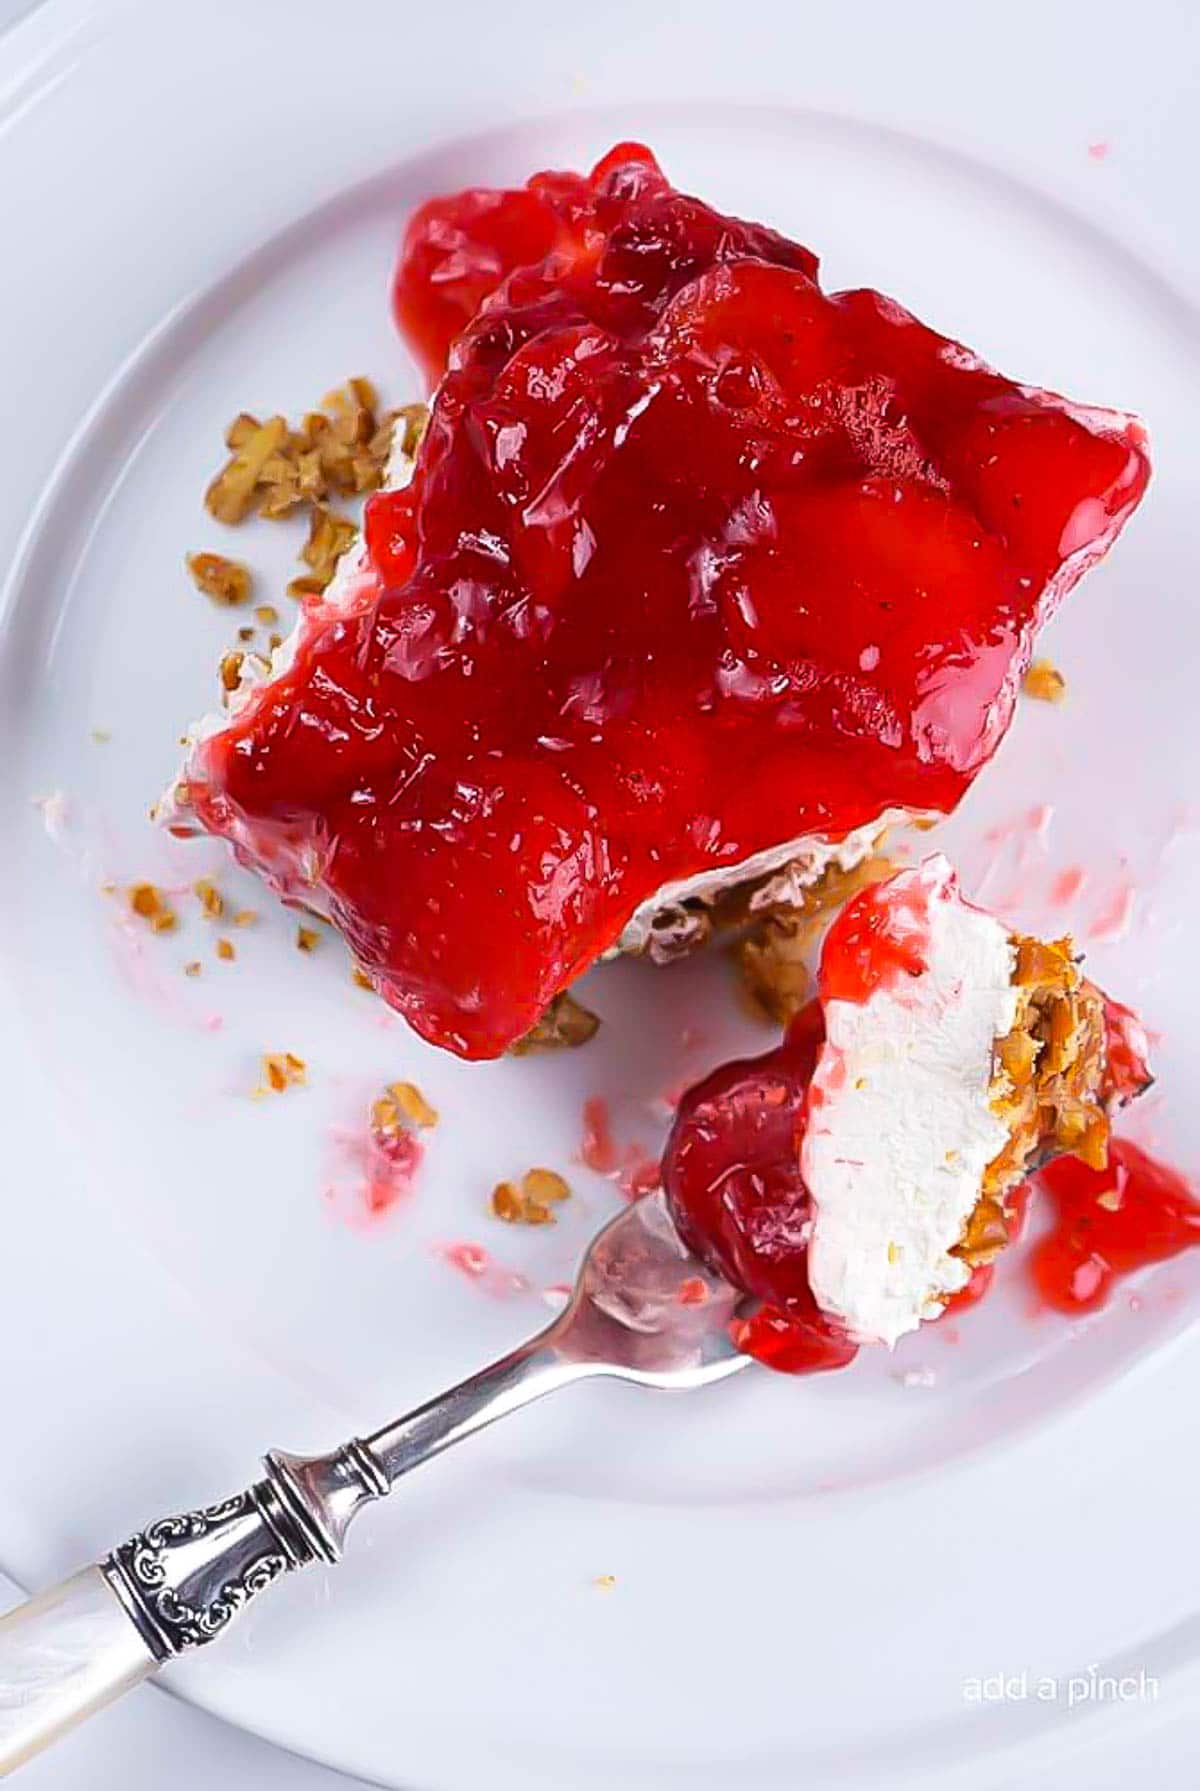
(1108, 1223)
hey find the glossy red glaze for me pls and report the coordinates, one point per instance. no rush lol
(696, 559)
(731, 1174)
(1108, 1223)
(878, 939)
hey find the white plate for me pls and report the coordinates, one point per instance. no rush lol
(199, 207)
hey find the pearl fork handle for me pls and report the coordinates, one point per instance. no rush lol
(63, 1656)
(177, 1584)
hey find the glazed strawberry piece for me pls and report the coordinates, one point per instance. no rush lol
(696, 560)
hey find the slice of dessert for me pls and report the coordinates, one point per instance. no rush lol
(855, 1178)
(701, 573)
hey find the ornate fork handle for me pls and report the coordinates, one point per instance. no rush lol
(183, 1578)
(179, 1582)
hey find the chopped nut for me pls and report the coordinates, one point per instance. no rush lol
(241, 429)
(566, 1022)
(225, 581)
(402, 1107)
(230, 496)
(149, 904)
(1044, 682)
(245, 635)
(359, 976)
(209, 897)
(531, 1202)
(304, 586)
(412, 1104)
(266, 614)
(246, 917)
(225, 950)
(230, 671)
(544, 1184)
(307, 938)
(281, 1069)
(773, 969)
(192, 969)
(329, 535)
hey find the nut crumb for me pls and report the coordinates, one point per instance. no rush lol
(280, 1070)
(225, 950)
(529, 1203)
(149, 904)
(359, 977)
(193, 968)
(307, 938)
(230, 671)
(266, 615)
(329, 535)
(246, 917)
(565, 1023)
(340, 450)
(231, 495)
(1044, 682)
(605, 1582)
(209, 897)
(402, 1107)
(227, 582)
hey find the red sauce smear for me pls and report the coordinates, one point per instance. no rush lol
(879, 938)
(1108, 1223)
(696, 558)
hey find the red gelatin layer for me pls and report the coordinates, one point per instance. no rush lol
(697, 559)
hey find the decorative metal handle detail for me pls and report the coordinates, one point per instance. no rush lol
(184, 1577)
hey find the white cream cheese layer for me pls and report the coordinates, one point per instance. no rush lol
(798, 864)
(901, 1128)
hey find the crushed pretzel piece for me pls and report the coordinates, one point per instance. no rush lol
(1044, 682)
(149, 903)
(227, 582)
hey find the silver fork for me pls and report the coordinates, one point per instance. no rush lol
(642, 1310)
